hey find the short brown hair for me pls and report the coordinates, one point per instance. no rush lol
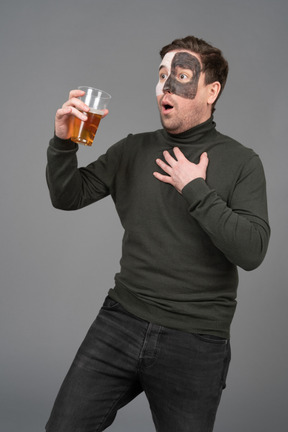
(214, 65)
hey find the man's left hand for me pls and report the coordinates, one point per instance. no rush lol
(180, 170)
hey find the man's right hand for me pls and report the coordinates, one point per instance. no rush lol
(74, 107)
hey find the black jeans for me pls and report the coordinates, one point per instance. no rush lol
(182, 375)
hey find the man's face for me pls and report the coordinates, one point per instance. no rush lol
(181, 92)
(179, 74)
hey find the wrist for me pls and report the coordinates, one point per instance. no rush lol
(63, 143)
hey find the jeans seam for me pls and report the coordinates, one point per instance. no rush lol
(110, 410)
(219, 342)
(142, 366)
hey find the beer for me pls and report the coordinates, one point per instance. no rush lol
(84, 131)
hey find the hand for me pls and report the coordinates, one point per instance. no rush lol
(74, 107)
(180, 170)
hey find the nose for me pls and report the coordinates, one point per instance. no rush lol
(167, 86)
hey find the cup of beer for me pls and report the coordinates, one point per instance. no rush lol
(83, 132)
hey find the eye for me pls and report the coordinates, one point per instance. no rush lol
(162, 76)
(183, 75)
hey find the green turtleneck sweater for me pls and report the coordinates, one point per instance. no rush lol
(180, 251)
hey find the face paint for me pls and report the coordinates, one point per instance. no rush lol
(165, 64)
(183, 72)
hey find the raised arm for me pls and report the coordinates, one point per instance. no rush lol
(72, 188)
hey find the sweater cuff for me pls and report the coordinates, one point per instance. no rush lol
(63, 144)
(195, 192)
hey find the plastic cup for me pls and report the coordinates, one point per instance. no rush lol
(83, 132)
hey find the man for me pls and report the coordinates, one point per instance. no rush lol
(193, 206)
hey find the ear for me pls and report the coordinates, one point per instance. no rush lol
(213, 91)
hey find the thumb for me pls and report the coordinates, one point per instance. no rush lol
(203, 164)
(204, 160)
(105, 113)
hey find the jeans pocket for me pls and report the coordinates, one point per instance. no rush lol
(109, 303)
(211, 339)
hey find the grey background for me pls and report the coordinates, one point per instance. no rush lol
(56, 267)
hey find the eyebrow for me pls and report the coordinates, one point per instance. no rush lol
(162, 67)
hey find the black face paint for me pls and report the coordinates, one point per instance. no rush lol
(187, 90)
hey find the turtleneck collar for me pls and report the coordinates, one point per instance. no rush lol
(193, 135)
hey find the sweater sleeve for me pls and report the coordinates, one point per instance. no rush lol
(72, 188)
(241, 230)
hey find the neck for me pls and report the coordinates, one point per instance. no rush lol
(193, 135)
(199, 117)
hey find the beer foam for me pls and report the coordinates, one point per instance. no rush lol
(96, 111)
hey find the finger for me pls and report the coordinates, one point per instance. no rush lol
(178, 154)
(164, 166)
(163, 178)
(204, 161)
(70, 111)
(105, 113)
(76, 93)
(63, 112)
(77, 103)
(169, 159)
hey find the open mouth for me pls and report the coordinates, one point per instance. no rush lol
(166, 107)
